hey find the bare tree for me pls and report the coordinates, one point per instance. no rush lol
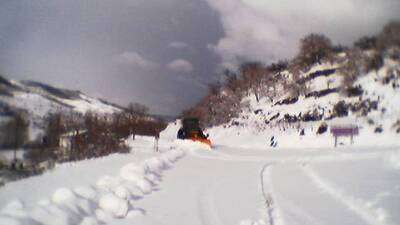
(233, 82)
(314, 48)
(214, 88)
(269, 83)
(366, 43)
(351, 69)
(55, 127)
(18, 132)
(373, 62)
(296, 88)
(278, 67)
(390, 35)
(137, 110)
(252, 73)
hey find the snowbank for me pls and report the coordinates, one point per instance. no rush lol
(250, 137)
(111, 197)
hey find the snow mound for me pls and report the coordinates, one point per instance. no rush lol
(132, 172)
(122, 192)
(107, 182)
(111, 197)
(154, 165)
(63, 195)
(114, 205)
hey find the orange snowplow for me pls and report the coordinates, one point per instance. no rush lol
(191, 130)
(202, 140)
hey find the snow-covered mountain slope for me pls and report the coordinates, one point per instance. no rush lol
(38, 99)
(373, 106)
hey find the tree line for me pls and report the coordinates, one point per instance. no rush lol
(71, 136)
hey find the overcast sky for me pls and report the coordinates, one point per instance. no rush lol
(162, 53)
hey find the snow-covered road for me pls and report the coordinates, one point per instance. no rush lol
(225, 186)
(362, 187)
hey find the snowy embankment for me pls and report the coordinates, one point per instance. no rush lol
(108, 197)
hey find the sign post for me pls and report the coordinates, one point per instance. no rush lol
(344, 131)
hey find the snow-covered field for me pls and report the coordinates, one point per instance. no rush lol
(187, 183)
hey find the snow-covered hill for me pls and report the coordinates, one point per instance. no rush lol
(373, 106)
(38, 99)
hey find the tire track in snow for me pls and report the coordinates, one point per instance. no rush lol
(361, 208)
(207, 210)
(298, 211)
(373, 216)
(272, 212)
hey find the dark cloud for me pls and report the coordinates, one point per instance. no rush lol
(115, 49)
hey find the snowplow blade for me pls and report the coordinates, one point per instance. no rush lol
(202, 140)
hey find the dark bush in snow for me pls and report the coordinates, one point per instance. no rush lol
(354, 91)
(290, 119)
(258, 111)
(316, 74)
(378, 129)
(312, 116)
(318, 94)
(341, 109)
(371, 122)
(322, 128)
(364, 107)
(274, 116)
(287, 101)
(235, 123)
(396, 126)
